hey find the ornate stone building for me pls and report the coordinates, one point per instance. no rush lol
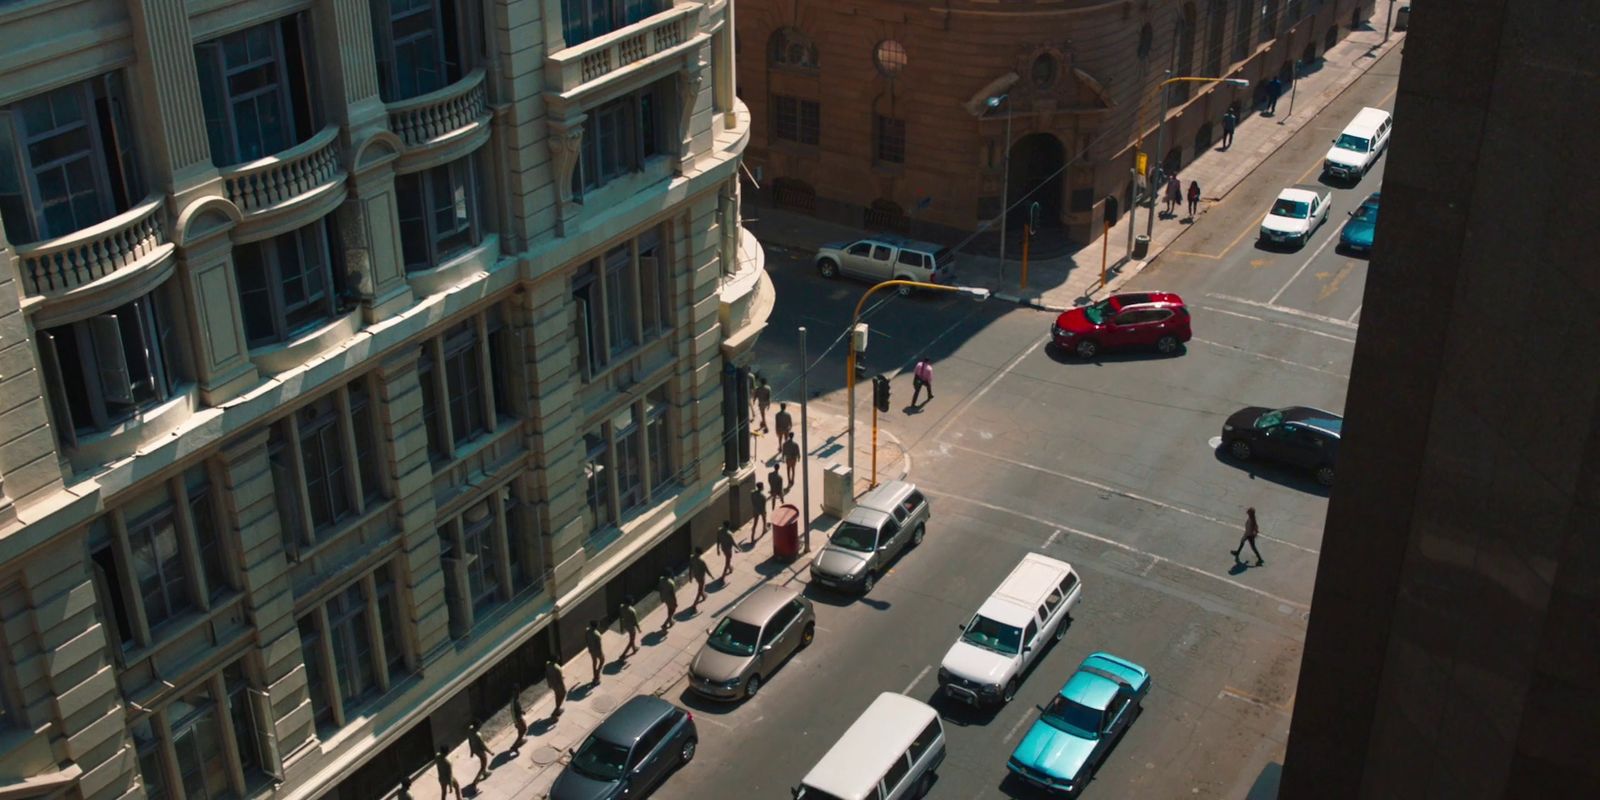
(874, 112)
(353, 355)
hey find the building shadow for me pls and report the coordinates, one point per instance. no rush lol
(1280, 474)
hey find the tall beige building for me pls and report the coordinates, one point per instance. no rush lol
(353, 355)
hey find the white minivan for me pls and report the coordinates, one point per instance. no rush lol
(890, 752)
(1359, 145)
(987, 663)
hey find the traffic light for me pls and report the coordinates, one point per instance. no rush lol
(880, 393)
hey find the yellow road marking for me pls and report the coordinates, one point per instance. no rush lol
(1195, 255)
(1333, 285)
(1259, 263)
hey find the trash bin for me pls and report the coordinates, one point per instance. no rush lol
(1402, 18)
(1141, 247)
(786, 531)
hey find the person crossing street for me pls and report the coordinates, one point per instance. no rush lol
(1251, 530)
(921, 378)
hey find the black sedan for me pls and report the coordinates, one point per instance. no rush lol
(633, 750)
(1299, 436)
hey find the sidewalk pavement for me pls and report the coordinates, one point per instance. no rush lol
(663, 659)
(1056, 284)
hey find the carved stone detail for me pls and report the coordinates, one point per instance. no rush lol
(690, 79)
(566, 142)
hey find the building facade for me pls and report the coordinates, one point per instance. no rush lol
(875, 112)
(354, 354)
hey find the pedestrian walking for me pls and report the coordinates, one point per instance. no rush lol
(1251, 530)
(480, 750)
(791, 452)
(597, 650)
(669, 598)
(1230, 120)
(1274, 91)
(726, 544)
(519, 718)
(921, 378)
(782, 422)
(758, 523)
(775, 480)
(763, 399)
(557, 683)
(1194, 198)
(628, 618)
(447, 775)
(1174, 194)
(700, 572)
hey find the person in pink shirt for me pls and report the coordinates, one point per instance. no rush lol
(921, 378)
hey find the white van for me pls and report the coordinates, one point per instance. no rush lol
(986, 664)
(1358, 147)
(890, 752)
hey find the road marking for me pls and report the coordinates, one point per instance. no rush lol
(1293, 312)
(925, 668)
(1301, 328)
(1015, 728)
(1271, 358)
(1352, 317)
(1052, 539)
(1296, 275)
(1130, 495)
(987, 385)
(1195, 255)
(1131, 549)
(1338, 278)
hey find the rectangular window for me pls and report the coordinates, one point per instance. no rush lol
(197, 742)
(438, 446)
(322, 490)
(623, 134)
(622, 300)
(796, 120)
(658, 441)
(351, 637)
(630, 473)
(254, 90)
(655, 283)
(316, 684)
(591, 341)
(582, 20)
(596, 471)
(288, 284)
(151, 771)
(394, 654)
(368, 458)
(464, 383)
(477, 537)
(461, 399)
(418, 46)
(501, 348)
(891, 144)
(323, 459)
(158, 567)
(105, 369)
(523, 543)
(439, 212)
(612, 317)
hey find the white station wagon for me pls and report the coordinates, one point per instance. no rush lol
(1295, 215)
(996, 647)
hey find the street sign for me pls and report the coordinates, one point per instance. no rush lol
(1141, 162)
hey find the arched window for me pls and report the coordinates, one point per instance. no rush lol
(790, 47)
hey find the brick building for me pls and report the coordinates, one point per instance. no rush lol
(874, 112)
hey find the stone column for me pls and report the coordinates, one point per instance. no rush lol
(165, 84)
(218, 351)
(698, 273)
(549, 348)
(347, 72)
(29, 438)
(723, 62)
(369, 221)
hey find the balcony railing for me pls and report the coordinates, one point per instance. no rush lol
(284, 176)
(65, 263)
(590, 61)
(424, 118)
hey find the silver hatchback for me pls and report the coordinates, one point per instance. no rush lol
(752, 641)
(885, 522)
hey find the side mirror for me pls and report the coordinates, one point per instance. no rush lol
(1027, 648)
(766, 648)
(1041, 708)
(794, 791)
(961, 626)
(1349, 213)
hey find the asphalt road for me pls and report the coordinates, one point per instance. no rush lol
(1106, 464)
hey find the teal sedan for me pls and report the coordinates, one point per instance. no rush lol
(1076, 731)
(1357, 234)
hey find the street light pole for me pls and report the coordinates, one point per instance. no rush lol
(805, 443)
(1388, 20)
(1161, 130)
(1005, 180)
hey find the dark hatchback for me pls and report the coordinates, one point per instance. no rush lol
(1299, 436)
(635, 749)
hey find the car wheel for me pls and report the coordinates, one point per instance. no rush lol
(686, 754)
(808, 635)
(752, 686)
(871, 581)
(1009, 692)
(924, 785)
(1167, 345)
(1086, 348)
(1061, 628)
(828, 267)
(1240, 450)
(1325, 475)
(916, 535)
(903, 290)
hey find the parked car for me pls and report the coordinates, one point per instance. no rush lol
(1073, 735)
(884, 522)
(1300, 436)
(881, 258)
(1005, 637)
(1357, 234)
(1359, 145)
(755, 638)
(632, 751)
(891, 752)
(1142, 319)
(1297, 213)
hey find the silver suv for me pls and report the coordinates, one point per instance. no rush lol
(885, 521)
(881, 258)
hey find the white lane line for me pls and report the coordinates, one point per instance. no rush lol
(1016, 727)
(1271, 358)
(1301, 328)
(1293, 312)
(919, 677)
(1231, 525)
(1052, 539)
(987, 385)
(1352, 317)
(1128, 548)
(1296, 275)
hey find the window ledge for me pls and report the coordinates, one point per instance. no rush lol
(132, 435)
(332, 535)
(457, 268)
(273, 359)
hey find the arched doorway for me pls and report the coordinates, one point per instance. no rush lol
(1035, 176)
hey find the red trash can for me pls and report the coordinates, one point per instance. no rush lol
(786, 531)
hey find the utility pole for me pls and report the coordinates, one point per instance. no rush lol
(1005, 181)
(1161, 131)
(805, 445)
(1388, 19)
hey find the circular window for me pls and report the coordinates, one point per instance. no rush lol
(890, 56)
(1044, 70)
(1147, 36)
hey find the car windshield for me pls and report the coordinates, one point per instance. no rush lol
(1353, 143)
(1072, 717)
(734, 637)
(991, 635)
(1270, 419)
(600, 759)
(1367, 213)
(853, 536)
(1293, 209)
(1098, 312)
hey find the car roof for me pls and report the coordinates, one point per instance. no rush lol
(1302, 191)
(901, 241)
(886, 497)
(761, 604)
(1156, 298)
(1316, 418)
(1099, 676)
(1367, 120)
(633, 718)
(865, 752)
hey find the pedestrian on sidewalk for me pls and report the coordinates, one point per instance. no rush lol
(479, 750)
(597, 650)
(782, 422)
(1274, 91)
(726, 544)
(791, 452)
(1230, 120)
(1174, 194)
(700, 572)
(921, 378)
(758, 523)
(669, 598)
(763, 399)
(518, 718)
(557, 683)
(1194, 199)
(775, 480)
(1251, 530)
(628, 618)
(447, 775)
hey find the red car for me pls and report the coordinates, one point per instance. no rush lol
(1135, 319)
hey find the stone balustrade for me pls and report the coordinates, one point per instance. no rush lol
(59, 265)
(574, 67)
(427, 117)
(282, 177)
